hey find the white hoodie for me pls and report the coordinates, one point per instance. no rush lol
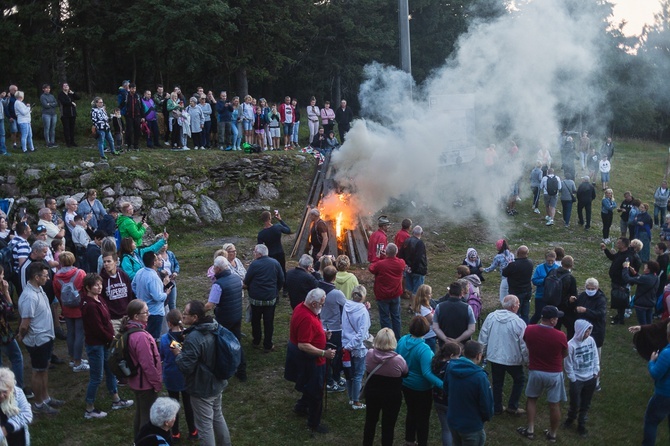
(355, 327)
(502, 336)
(582, 362)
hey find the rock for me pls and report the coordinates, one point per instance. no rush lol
(172, 205)
(300, 158)
(189, 196)
(11, 179)
(120, 190)
(178, 187)
(35, 192)
(159, 216)
(165, 189)
(37, 203)
(86, 179)
(108, 192)
(33, 173)
(107, 201)
(149, 194)
(185, 180)
(132, 199)
(187, 212)
(102, 164)
(140, 184)
(205, 184)
(78, 196)
(87, 165)
(210, 211)
(267, 191)
(122, 169)
(52, 166)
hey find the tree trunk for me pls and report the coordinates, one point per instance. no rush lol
(242, 82)
(337, 94)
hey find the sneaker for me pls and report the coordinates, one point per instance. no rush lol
(547, 218)
(581, 430)
(166, 143)
(228, 149)
(342, 382)
(29, 394)
(194, 435)
(71, 363)
(358, 406)
(44, 409)
(334, 388)
(550, 222)
(196, 148)
(95, 413)
(320, 429)
(185, 148)
(122, 404)
(176, 438)
(53, 402)
(83, 367)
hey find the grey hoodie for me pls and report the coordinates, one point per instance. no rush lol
(582, 362)
(502, 336)
(355, 327)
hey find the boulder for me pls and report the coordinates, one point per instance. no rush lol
(159, 216)
(187, 212)
(87, 165)
(210, 211)
(108, 192)
(33, 173)
(140, 184)
(86, 179)
(267, 191)
(132, 199)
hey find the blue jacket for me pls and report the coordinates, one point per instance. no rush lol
(418, 356)
(173, 261)
(148, 286)
(469, 395)
(539, 275)
(224, 110)
(264, 279)
(173, 379)
(659, 371)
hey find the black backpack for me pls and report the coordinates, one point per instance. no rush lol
(553, 289)
(552, 186)
(119, 360)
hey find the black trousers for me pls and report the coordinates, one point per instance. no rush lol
(68, 129)
(311, 401)
(132, 132)
(267, 313)
(581, 394)
(417, 421)
(586, 206)
(188, 412)
(388, 403)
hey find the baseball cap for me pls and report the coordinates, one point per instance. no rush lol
(550, 312)
(383, 220)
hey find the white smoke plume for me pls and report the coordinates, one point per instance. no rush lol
(528, 71)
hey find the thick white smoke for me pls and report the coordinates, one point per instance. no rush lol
(528, 70)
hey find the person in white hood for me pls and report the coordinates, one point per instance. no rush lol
(504, 347)
(582, 366)
(355, 330)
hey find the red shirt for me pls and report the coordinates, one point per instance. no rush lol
(306, 328)
(388, 277)
(400, 237)
(545, 348)
(378, 242)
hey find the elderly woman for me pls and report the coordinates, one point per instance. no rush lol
(383, 387)
(92, 206)
(128, 227)
(418, 385)
(344, 280)
(355, 330)
(643, 225)
(162, 417)
(71, 207)
(23, 119)
(607, 213)
(15, 412)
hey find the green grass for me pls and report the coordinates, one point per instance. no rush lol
(259, 411)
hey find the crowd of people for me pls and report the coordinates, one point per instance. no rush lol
(202, 119)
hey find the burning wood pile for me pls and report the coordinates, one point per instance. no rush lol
(346, 230)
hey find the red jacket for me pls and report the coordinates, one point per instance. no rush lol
(282, 113)
(388, 277)
(400, 237)
(377, 238)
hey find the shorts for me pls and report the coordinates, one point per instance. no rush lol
(552, 382)
(288, 128)
(550, 200)
(248, 125)
(274, 132)
(13, 127)
(604, 177)
(40, 356)
(260, 132)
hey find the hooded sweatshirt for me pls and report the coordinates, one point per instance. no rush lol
(470, 396)
(388, 378)
(582, 362)
(418, 356)
(346, 282)
(502, 336)
(355, 327)
(63, 276)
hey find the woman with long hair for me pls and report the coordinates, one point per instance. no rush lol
(500, 261)
(15, 411)
(423, 308)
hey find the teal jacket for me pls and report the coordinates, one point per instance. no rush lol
(132, 263)
(418, 356)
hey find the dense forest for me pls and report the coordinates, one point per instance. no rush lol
(298, 47)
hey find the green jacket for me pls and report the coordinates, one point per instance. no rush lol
(129, 228)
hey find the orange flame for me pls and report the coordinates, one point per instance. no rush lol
(337, 208)
(338, 225)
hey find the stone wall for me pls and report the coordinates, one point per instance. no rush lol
(239, 185)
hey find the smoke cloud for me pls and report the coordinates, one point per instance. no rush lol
(529, 71)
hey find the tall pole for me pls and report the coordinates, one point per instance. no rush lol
(403, 27)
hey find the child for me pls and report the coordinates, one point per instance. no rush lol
(331, 142)
(58, 246)
(259, 127)
(582, 366)
(81, 239)
(422, 308)
(119, 128)
(447, 352)
(172, 377)
(274, 119)
(605, 168)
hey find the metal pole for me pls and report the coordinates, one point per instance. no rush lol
(403, 30)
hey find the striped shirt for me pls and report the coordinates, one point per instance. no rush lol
(20, 250)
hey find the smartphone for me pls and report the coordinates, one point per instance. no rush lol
(169, 285)
(276, 213)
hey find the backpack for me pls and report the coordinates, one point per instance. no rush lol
(553, 289)
(69, 294)
(119, 358)
(7, 261)
(552, 186)
(228, 354)
(474, 300)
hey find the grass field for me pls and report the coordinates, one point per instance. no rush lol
(259, 411)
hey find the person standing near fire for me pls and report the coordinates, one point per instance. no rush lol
(270, 236)
(379, 240)
(318, 237)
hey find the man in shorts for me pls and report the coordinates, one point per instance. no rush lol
(546, 349)
(37, 334)
(550, 186)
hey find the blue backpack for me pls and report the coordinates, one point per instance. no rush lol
(228, 354)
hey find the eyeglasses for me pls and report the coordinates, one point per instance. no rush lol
(144, 312)
(231, 251)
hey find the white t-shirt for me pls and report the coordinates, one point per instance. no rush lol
(424, 311)
(288, 114)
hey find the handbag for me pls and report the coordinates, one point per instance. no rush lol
(620, 297)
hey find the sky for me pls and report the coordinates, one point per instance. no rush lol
(636, 13)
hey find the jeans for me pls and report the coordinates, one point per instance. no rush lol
(171, 300)
(209, 421)
(49, 122)
(357, 371)
(153, 139)
(503, 290)
(567, 210)
(388, 403)
(646, 248)
(97, 360)
(581, 393)
(105, 135)
(26, 137)
(188, 411)
(154, 325)
(470, 439)
(225, 131)
(586, 206)
(658, 408)
(498, 381)
(441, 411)
(413, 282)
(237, 135)
(644, 315)
(3, 147)
(389, 314)
(582, 159)
(536, 195)
(267, 313)
(75, 337)
(417, 420)
(294, 134)
(524, 301)
(13, 352)
(659, 212)
(539, 305)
